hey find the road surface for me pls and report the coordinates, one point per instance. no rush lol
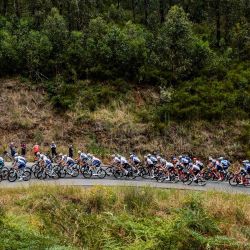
(138, 182)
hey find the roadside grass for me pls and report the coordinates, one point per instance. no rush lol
(56, 217)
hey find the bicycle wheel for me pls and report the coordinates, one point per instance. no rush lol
(234, 181)
(62, 173)
(144, 173)
(26, 175)
(87, 173)
(118, 174)
(35, 168)
(12, 176)
(41, 175)
(4, 173)
(109, 171)
(75, 172)
(189, 180)
(201, 182)
(101, 173)
(131, 175)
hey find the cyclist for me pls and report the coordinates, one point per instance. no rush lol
(222, 166)
(245, 170)
(95, 162)
(82, 157)
(46, 162)
(150, 163)
(196, 168)
(134, 159)
(20, 163)
(68, 161)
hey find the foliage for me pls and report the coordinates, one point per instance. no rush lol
(187, 45)
(122, 218)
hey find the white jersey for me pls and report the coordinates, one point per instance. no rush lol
(123, 160)
(83, 156)
(149, 161)
(116, 160)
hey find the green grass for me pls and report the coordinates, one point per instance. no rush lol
(122, 218)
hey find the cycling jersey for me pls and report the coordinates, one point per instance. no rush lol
(247, 167)
(135, 159)
(149, 161)
(20, 161)
(96, 162)
(225, 164)
(116, 160)
(69, 161)
(83, 157)
(123, 160)
(1, 162)
(153, 159)
(196, 168)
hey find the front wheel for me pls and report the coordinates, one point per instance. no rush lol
(87, 173)
(201, 182)
(26, 175)
(234, 181)
(101, 173)
(5, 173)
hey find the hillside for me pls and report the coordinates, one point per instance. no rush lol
(122, 218)
(27, 114)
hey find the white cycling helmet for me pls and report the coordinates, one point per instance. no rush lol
(79, 152)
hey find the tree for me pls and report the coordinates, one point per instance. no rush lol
(174, 44)
(35, 47)
(55, 28)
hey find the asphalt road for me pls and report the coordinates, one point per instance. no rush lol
(138, 182)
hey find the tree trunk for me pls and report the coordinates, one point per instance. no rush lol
(161, 11)
(218, 23)
(16, 8)
(146, 11)
(5, 3)
(133, 8)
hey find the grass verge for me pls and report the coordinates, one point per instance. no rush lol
(58, 217)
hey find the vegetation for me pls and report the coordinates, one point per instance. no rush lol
(122, 218)
(198, 49)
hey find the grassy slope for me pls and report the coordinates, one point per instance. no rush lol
(122, 218)
(117, 126)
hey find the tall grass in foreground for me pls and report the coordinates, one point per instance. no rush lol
(122, 218)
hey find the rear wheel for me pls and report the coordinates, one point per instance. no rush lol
(189, 179)
(118, 174)
(109, 171)
(26, 175)
(247, 182)
(75, 172)
(12, 176)
(41, 175)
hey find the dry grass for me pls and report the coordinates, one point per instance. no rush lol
(27, 115)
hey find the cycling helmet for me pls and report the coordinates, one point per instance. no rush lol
(79, 152)
(16, 154)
